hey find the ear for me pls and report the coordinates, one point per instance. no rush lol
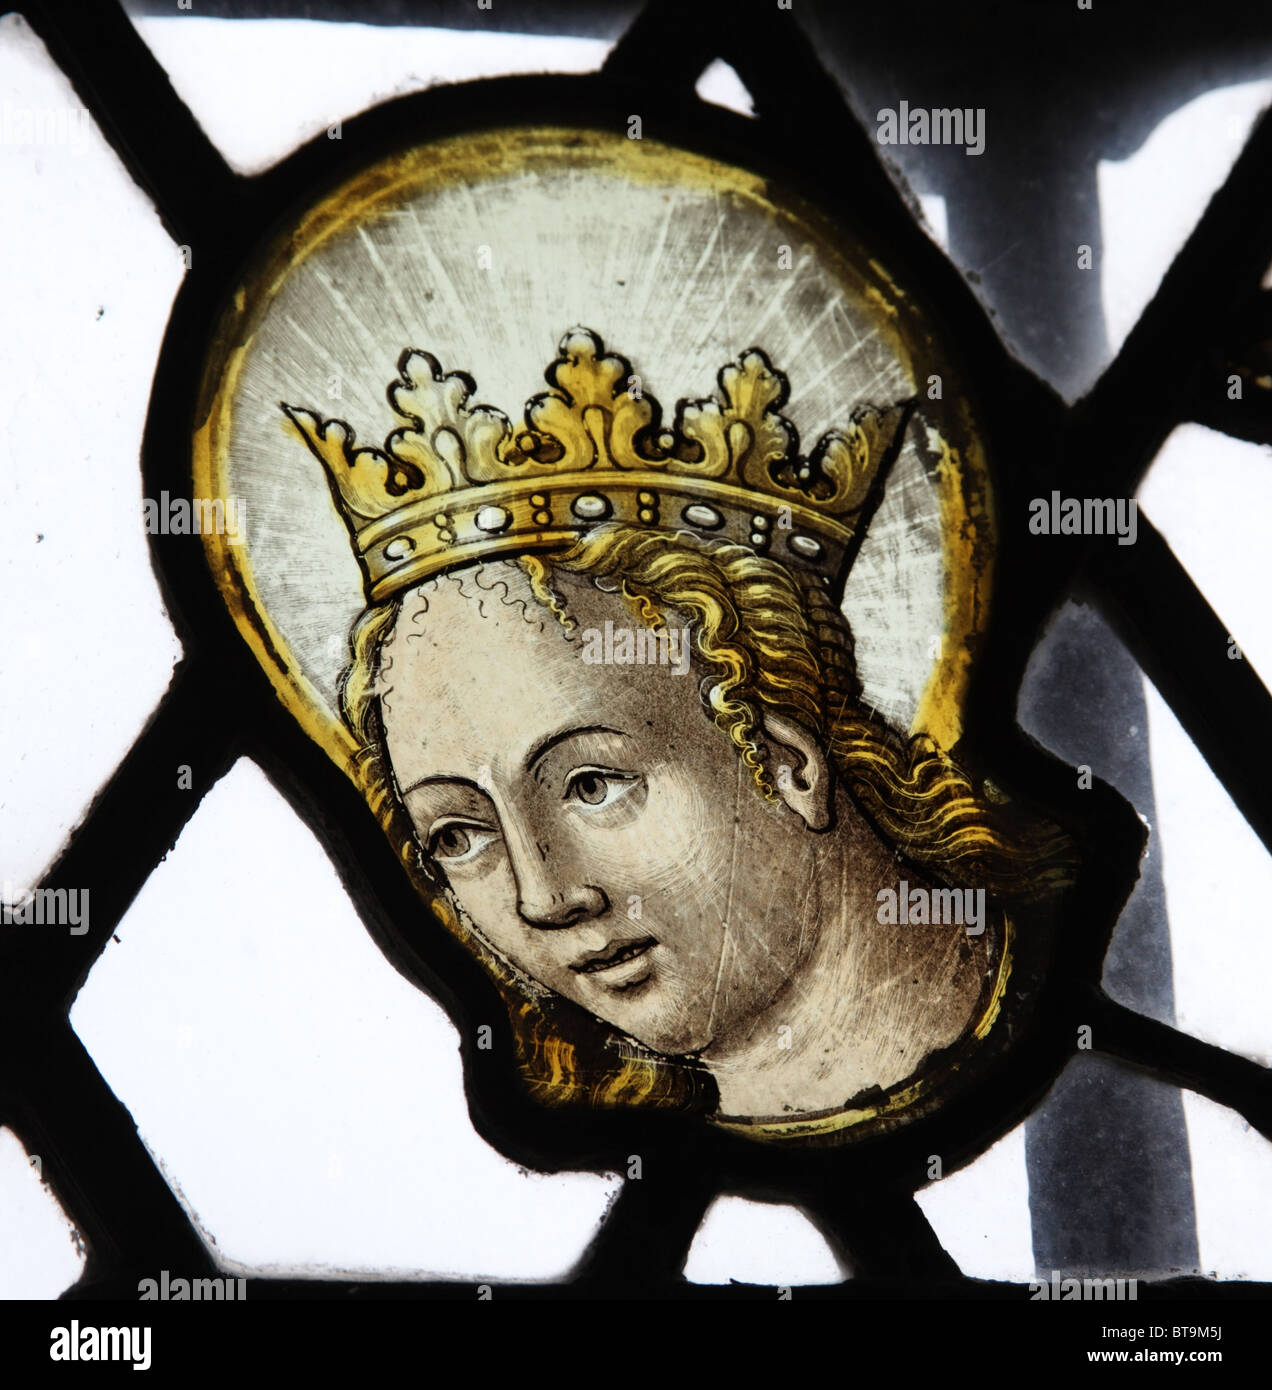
(800, 772)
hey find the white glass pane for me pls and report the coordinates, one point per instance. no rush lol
(305, 1101)
(262, 87)
(1151, 201)
(1209, 495)
(1218, 879)
(756, 1243)
(935, 214)
(981, 1213)
(722, 86)
(1232, 1173)
(87, 281)
(41, 1253)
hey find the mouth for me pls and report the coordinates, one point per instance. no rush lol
(612, 958)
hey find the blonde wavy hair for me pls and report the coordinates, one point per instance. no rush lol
(766, 639)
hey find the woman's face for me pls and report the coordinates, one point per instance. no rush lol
(598, 829)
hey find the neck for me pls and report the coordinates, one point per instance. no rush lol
(866, 1003)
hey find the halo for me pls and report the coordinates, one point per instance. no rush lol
(482, 250)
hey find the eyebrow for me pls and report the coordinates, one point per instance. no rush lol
(539, 751)
(440, 781)
(545, 746)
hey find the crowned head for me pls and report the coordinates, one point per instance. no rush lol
(669, 857)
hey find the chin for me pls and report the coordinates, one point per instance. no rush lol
(666, 1036)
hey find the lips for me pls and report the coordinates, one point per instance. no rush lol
(613, 955)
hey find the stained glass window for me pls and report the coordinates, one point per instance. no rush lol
(975, 384)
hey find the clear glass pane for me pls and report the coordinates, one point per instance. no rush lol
(262, 87)
(981, 1213)
(41, 1252)
(1151, 200)
(1218, 880)
(303, 1099)
(757, 1243)
(87, 281)
(1232, 1171)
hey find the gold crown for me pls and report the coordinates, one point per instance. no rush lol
(458, 484)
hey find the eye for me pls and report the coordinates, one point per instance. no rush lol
(597, 786)
(453, 842)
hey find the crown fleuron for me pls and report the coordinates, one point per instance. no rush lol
(457, 483)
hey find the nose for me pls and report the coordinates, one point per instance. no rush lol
(549, 895)
(562, 909)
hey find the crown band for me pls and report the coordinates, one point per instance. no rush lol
(417, 540)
